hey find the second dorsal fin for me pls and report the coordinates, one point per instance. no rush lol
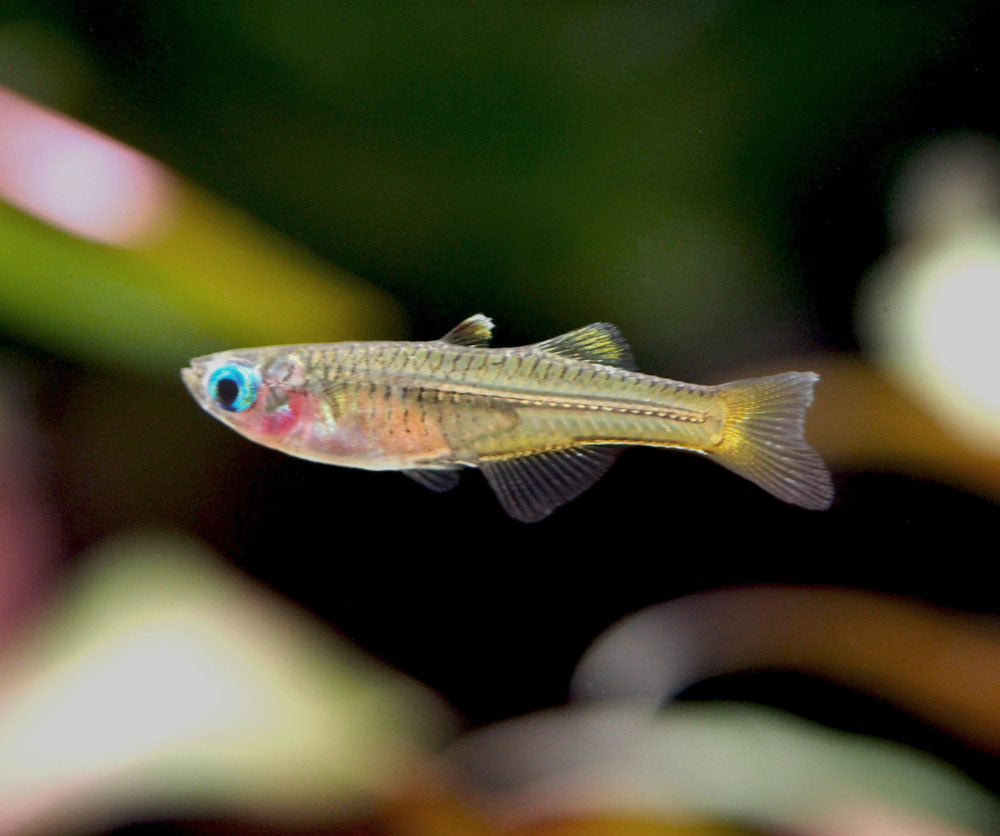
(599, 342)
(476, 330)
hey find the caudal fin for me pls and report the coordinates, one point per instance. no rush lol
(763, 438)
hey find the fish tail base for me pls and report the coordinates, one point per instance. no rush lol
(763, 438)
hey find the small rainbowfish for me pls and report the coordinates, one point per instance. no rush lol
(543, 422)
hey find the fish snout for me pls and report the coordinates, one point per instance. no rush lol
(193, 376)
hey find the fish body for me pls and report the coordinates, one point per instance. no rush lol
(543, 422)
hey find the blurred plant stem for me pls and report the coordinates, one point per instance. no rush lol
(863, 421)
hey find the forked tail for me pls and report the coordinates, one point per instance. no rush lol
(763, 438)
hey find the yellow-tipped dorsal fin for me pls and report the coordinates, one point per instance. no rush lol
(599, 342)
(477, 330)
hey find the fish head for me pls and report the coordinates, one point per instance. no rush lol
(258, 392)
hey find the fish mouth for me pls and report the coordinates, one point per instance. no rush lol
(193, 375)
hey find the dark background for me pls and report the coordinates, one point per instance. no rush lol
(714, 178)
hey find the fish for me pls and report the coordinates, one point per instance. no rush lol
(543, 422)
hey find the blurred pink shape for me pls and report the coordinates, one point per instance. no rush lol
(77, 179)
(873, 820)
(28, 537)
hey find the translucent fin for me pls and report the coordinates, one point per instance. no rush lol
(763, 438)
(532, 487)
(599, 342)
(476, 330)
(438, 481)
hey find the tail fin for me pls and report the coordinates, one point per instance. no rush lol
(763, 438)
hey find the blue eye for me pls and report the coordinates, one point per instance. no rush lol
(234, 387)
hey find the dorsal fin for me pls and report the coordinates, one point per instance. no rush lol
(599, 342)
(476, 330)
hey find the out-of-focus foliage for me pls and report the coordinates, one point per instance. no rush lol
(142, 269)
(928, 310)
(553, 155)
(726, 763)
(632, 162)
(165, 682)
(29, 541)
(661, 650)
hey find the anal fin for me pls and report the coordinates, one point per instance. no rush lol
(531, 487)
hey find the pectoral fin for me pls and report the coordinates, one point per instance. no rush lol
(531, 487)
(438, 481)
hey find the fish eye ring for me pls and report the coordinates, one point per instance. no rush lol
(234, 387)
